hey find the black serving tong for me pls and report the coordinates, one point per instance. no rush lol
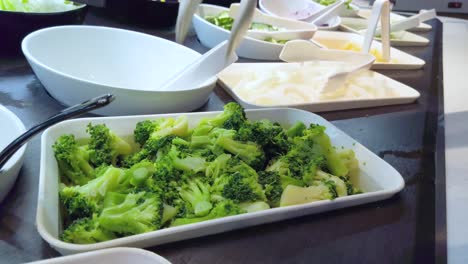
(66, 113)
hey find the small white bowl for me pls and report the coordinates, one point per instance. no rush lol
(10, 171)
(211, 35)
(290, 9)
(75, 63)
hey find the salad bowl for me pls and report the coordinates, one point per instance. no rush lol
(128, 64)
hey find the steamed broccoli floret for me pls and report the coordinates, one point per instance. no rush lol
(218, 166)
(240, 186)
(302, 160)
(249, 152)
(233, 117)
(83, 201)
(184, 160)
(197, 194)
(139, 213)
(296, 130)
(171, 126)
(221, 209)
(86, 231)
(73, 160)
(137, 175)
(150, 151)
(105, 146)
(335, 164)
(143, 131)
(271, 136)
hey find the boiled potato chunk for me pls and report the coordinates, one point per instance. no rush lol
(299, 195)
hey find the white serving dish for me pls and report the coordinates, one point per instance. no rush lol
(378, 179)
(293, 30)
(290, 9)
(287, 9)
(399, 60)
(75, 63)
(404, 38)
(109, 256)
(12, 127)
(423, 27)
(237, 72)
(353, 12)
(211, 35)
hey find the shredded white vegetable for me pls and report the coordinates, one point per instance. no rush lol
(288, 84)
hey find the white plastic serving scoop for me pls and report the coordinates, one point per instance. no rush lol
(216, 59)
(380, 9)
(241, 25)
(302, 51)
(328, 13)
(187, 9)
(411, 22)
(289, 29)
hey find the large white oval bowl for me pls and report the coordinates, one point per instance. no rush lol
(75, 63)
(12, 128)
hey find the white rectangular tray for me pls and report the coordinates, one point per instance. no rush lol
(423, 27)
(404, 39)
(109, 256)
(237, 71)
(378, 179)
(337, 40)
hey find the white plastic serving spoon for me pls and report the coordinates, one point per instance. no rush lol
(298, 30)
(216, 59)
(380, 9)
(411, 22)
(184, 18)
(327, 13)
(302, 51)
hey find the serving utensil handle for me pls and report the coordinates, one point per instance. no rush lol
(66, 113)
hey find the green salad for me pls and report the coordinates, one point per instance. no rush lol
(38, 6)
(330, 2)
(225, 21)
(168, 174)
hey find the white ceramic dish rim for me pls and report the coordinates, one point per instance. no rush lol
(57, 243)
(300, 105)
(19, 124)
(29, 56)
(104, 253)
(198, 16)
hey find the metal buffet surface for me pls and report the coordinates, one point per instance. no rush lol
(408, 228)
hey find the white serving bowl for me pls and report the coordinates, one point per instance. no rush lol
(13, 127)
(290, 9)
(75, 63)
(211, 35)
(120, 255)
